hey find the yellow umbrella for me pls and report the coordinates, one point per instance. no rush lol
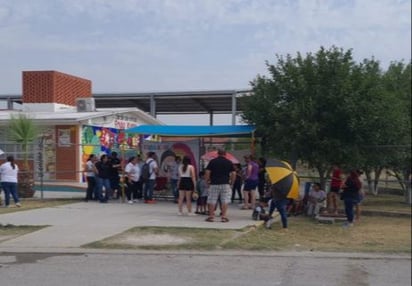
(284, 178)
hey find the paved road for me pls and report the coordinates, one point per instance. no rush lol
(52, 255)
(199, 269)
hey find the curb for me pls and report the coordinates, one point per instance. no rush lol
(320, 255)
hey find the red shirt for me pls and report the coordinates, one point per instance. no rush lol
(336, 179)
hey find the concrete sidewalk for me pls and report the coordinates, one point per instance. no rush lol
(73, 225)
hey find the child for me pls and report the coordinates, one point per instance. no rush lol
(316, 200)
(201, 188)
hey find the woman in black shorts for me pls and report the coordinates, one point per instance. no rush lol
(186, 183)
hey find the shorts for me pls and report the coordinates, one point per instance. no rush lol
(334, 189)
(250, 185)
(186, 184)
(224, 192)
(201, 201)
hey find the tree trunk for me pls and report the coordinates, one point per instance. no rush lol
(25, 184)
(322, 176)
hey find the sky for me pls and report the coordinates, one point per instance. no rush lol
(188, 45)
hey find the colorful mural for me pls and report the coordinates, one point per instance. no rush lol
(102, 140)
(166, 152)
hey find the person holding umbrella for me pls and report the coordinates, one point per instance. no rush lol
(279, 201)
(284, 185)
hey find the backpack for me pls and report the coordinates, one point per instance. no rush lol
(145, 172)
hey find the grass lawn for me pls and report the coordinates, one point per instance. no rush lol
(10, 231)
(29, 204)
(373, 234)
(386, 202)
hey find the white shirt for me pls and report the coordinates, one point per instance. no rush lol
(188, 173)
(8, 174)
(133, 171)
(153, 165)
(90, 169)
(317, 195)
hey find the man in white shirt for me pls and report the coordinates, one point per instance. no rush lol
(150, 183)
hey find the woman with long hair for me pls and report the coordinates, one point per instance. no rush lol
(186, 183)
(8, 173)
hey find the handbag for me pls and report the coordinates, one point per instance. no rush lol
(195, 196)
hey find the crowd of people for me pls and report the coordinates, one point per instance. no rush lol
(211, 189)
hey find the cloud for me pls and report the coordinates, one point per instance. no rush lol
(190, 44)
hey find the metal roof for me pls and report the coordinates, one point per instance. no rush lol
(183, 102)
(70, 117)
(186, 102)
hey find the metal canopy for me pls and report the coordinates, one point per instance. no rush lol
(154, 103)
(188, 102)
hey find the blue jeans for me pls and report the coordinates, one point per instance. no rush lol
(102, 182)
(173, 186)
(349, 204)
(148, 190)
(280, 205)
(10, 188)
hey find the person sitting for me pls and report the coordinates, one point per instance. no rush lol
(316, 200)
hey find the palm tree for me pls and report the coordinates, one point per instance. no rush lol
(23, 131)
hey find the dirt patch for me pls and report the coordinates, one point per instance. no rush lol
(153, 239)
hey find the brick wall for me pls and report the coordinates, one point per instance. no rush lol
(54, 87)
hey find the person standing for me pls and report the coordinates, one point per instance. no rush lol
(361, 197)
(174, 177)
(251, 182)
(335, 186)
(237, 185)
(350, 196)
(90, 172)
(8, 174)
(116, 166)
(262, 178)
(132, 171)
(103, 178)
(220, 174)
(187, 183)
(150, 183)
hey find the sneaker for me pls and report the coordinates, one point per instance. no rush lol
(347, 224)
(151, 201)
(18, 205)
(136, 201)
(269, 223)
(191, 214)
(130, 202)
(179, 213)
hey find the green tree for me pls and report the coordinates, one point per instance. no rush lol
(303, 108)
(397, 82)
(324, 108)
(24, 132)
